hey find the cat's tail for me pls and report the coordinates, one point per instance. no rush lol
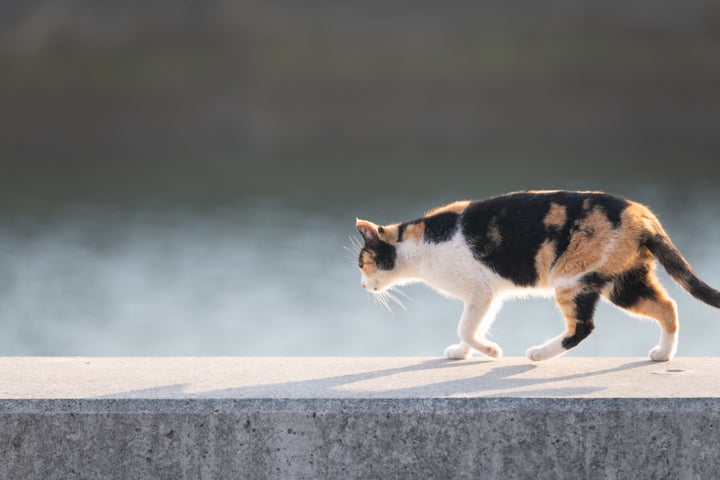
(680, 270)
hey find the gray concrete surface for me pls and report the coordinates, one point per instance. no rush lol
(384, 418)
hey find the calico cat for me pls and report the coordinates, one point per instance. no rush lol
(579, 246)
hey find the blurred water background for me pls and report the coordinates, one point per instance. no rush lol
(181, 178)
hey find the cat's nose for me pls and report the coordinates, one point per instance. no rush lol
(363, 285)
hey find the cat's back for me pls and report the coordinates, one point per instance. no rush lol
(532, 208)
(507, 232)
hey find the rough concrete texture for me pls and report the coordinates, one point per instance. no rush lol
(384, 418)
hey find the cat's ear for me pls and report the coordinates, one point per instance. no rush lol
(368, 230)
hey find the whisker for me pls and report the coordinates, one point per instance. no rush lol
(378, 300)
(350, 253)
(384, 301)
(356, 243)
(394, 299)
(397, 290)
(352, 250)
(380, 296)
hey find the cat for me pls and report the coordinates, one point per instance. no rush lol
(579, 246)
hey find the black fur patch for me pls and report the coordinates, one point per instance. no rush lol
(678, 268)
(669, 256)
(440, 227)
(401, 231)
(385, 255)
(612, 206)
(574, 212)
(632, 286)
(585, 303)
(518, 218)
(582, 330)
(595, 280)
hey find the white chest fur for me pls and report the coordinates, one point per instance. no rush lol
(450, 268)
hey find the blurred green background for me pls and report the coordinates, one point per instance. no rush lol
(180, 177)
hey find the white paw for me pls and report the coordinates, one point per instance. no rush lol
(458, 351)
(657, 354)
(492, 350)
(537, 354)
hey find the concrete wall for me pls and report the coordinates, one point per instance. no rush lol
(357, 420)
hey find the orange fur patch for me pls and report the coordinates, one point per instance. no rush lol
(389, 233)
(587, 246)
(565, 299)
(662, 310)
(455, 207)
(557, 215)
(542, 191)
(626, 253)
(414, 231)
(543, 262)
(368, 263)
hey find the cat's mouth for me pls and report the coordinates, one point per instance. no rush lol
(370, 288)
(374, 286)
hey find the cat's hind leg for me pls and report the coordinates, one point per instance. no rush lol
(577, 305)
(476, 319)
(639, 292)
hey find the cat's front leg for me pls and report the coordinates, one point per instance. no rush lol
(476, 319)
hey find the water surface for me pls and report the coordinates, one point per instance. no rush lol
(269, 276)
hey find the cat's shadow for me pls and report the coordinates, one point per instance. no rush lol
(499, 381)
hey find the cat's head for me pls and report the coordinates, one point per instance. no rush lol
(378, 257)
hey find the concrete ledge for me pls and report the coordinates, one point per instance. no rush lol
(298, 418)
